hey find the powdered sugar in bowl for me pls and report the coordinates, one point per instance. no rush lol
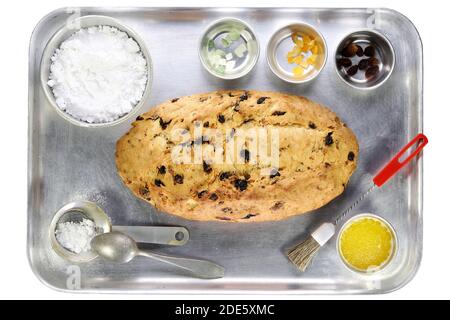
(96, 72)
(72, 228)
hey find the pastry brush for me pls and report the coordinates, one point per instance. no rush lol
(302, 254)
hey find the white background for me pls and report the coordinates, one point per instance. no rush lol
(17, 21)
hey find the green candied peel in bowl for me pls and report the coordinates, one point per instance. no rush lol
(241, 50)
(222, 61)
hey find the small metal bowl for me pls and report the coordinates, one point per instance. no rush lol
(68, 30)
(75, 212)
(214, 31)
(280, 43)
(384, 52)
(394, 244)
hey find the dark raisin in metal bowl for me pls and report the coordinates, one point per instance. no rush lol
(378, 48)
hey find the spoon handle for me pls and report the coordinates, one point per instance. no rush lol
(201, 268)
(172, 236)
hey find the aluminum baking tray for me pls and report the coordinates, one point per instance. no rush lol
(69, 163)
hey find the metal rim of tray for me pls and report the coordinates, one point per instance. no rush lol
(217, 288)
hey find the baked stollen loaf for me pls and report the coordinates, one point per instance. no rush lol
(237, 156)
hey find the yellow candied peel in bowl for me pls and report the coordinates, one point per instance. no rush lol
(304, 53)
(366, 244)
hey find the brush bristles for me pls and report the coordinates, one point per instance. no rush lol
(302, 254)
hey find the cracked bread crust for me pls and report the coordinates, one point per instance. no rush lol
(317, 156)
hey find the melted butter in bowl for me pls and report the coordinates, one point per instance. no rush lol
(367, 243)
